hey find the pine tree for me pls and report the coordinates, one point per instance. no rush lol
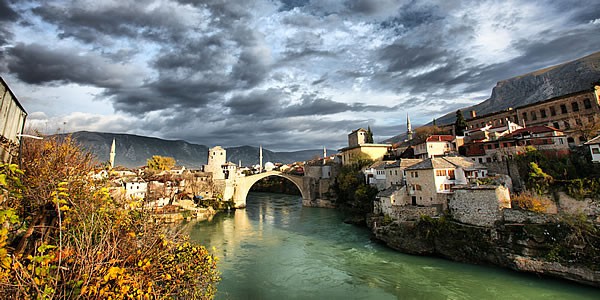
(460, 124)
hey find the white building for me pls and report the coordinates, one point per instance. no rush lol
(594, 145)
(435, 146)
(135, 188)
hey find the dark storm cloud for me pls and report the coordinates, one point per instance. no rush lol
(129, 19)
(36, 64)
(273, 104)
(291, 4)
(369, 7)
(402, 58)
(264, 103)
(6, 12)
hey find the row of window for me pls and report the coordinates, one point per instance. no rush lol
(444, 173)
(543, 113)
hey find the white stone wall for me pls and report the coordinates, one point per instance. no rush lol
(481, 206)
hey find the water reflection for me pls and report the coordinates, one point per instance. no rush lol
(275, 249)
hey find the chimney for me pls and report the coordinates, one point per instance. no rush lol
(473, 114)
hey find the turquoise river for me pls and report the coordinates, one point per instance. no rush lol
(277, 249)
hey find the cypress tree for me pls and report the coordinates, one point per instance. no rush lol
(460, 124)
(369, 135)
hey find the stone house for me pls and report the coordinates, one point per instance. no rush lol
(394, 171)
(375, 174)
(594, 145)
(429, 182)
(12, 123)
(480, 205)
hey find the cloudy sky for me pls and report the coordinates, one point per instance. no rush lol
(289, 74)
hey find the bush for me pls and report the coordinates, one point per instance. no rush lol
(531, 202)
(63, 236)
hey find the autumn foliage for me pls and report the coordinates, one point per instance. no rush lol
(63, 236)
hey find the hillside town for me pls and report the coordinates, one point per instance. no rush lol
(467, 171)
(422, 175)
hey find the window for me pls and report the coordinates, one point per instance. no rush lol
(567, 125)
(595, 151)
(533, 116)
(556, 125)
(440, 172)
(395, 172)
(563, 109)
(578, 122)
(552, 111)
(417, 187)
(587, 103)
(543, 113)
(524, 116)
(451, 174)
(575, 106)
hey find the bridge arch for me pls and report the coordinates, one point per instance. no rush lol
(244, 184)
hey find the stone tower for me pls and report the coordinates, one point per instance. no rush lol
(112, 154)
(217, 157)
(409, 132)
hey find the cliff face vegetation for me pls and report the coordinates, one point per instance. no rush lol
(63, 236)
(568, 248)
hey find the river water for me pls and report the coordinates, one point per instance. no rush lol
(277, 249)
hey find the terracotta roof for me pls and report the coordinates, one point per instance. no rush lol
(440, 138)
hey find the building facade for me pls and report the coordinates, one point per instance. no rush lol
(12, 122)
(566, 113)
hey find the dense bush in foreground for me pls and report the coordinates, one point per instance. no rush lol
(62, 236)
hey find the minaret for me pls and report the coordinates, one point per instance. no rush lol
(324, 155)
(112, 154)
(240, 163)
(409, 132)
(260, 160)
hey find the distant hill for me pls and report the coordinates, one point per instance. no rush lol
(133, 150)
(554, 81)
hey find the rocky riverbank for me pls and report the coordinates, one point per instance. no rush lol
(568, 247)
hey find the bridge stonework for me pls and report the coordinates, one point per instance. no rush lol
(305, 184)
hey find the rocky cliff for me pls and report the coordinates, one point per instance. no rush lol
(566, 78)
(133, 150)
(564, 249)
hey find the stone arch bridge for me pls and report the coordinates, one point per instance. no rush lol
(243, 184)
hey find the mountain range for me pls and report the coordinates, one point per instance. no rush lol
(133, 150)
(554, 81)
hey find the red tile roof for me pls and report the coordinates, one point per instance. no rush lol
(440, 138)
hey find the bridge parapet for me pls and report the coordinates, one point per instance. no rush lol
(243, 184)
